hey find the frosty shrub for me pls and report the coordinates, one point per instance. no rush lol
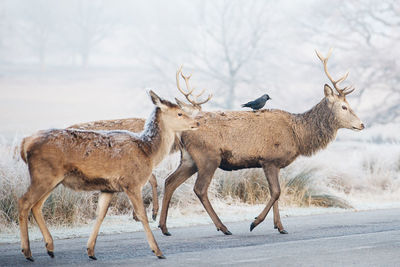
(372, 177)
(63, 207)
(297, 188)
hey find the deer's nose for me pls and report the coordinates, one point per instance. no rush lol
(362, 126)
(198, 124)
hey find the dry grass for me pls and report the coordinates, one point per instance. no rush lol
(63, 207)
(67, 207)
(297, 189)
(302, 185)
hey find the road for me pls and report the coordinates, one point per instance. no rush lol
(370, 238)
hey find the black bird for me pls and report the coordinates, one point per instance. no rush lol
(258, 103)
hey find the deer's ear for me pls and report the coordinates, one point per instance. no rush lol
(328, 91)
(154, 98)
(157, 100)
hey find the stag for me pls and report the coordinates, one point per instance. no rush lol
(137, 125)
(105, 161)
(276, 139)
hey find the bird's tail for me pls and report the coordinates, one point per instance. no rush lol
(244, 105)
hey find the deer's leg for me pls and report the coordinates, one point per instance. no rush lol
(134, 215)
(205, 174)
(153, 183)
(102, 208)
(135, 195)
(34, 194)
(272, 175)
(277, 219)
(181, 174)
(37, 214)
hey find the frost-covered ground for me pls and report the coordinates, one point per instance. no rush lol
(177, 218)
(365, 174)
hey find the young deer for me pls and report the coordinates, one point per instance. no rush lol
(137, 125)
(106, 161)
(275, 139)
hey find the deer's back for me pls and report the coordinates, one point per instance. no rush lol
(89, 160)
(244, 139)
(135, 125)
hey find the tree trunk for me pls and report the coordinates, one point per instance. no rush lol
(230, 98)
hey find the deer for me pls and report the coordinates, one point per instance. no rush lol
(276, 139)
(137, 125)
(105, 161)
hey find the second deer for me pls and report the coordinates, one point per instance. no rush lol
(137, 125)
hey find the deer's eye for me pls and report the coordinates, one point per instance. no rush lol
(344, 107)
(180, 114)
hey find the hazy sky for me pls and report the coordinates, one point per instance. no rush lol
(63, 62)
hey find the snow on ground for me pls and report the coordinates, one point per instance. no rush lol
(181, 217)
(365, 174)
(177, 218)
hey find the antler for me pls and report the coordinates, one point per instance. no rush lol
(342, 92)
(190, 90)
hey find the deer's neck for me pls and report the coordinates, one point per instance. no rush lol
(316, 128)
(156, 137)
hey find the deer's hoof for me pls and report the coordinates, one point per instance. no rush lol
(167, 233)
(252, 226)
(164, 230)
(161, 257)
(283, 231)
(227, 232)
(93, 258)
(28, 255)
(275, 227)
(51, 253)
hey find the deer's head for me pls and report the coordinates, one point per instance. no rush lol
(342, 112)
(173, 116)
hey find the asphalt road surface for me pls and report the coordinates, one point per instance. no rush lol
(370, 238)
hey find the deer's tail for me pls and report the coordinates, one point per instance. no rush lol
(26, 145)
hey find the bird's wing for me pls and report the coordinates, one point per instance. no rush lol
(249, 104)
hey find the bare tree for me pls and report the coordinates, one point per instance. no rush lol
(87, 24)
(232, 37)
(378, 24)
(37, 26)
(366, 28)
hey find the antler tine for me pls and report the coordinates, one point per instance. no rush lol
(348, 90)
(343, 78)
(202, 92)
(334, 83)
(187, 78)
(179, 71)
(205, 101)
(324, 58)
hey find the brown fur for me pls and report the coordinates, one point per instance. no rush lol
(107, 161)
(271, 139)
(137, 125)
(246, 139)
(133, 125)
